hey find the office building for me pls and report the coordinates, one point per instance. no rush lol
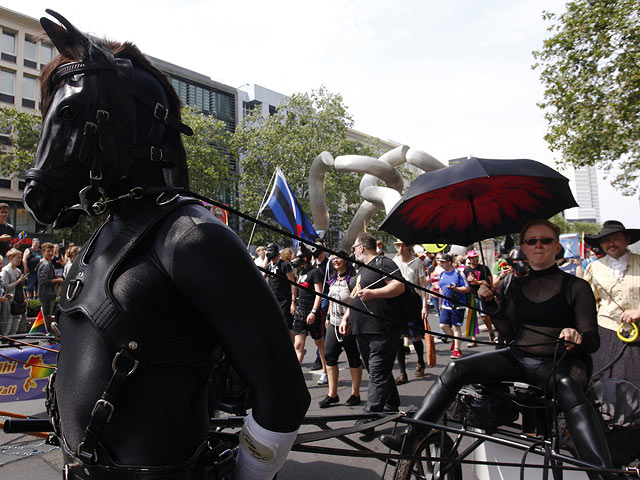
(584, 185)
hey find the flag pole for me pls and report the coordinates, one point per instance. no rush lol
(266, 192)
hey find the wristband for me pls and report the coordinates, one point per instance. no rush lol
(314, 311)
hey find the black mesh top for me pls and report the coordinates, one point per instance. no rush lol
(545, 302)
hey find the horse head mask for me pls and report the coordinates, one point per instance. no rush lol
(111, 129)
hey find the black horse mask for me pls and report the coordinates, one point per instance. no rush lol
(111, 130)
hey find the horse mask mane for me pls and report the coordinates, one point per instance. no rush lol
(111, 127)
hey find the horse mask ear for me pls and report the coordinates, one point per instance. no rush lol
(69, 41)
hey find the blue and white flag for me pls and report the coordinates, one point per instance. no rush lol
(283, 207)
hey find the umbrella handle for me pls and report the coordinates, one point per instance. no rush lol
(628, 332)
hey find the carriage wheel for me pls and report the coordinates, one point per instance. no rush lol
(430, 447)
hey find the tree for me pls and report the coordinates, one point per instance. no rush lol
(575, 227)
(210, 156)
(302, 128)
(590, 69)
(22, 131)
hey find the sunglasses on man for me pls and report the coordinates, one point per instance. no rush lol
(543, 241)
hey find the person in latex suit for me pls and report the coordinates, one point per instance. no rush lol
(535, 310)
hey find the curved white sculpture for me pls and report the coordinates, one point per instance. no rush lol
(375, 197)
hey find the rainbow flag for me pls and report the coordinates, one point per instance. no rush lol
(39, 326)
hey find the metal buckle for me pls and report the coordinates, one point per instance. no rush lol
(102, 116)
(160, 112)
(76, 289)
(90, 126)
(107, 404)
(94, 177)
(156, 154)
(115, 360)
(80, 453)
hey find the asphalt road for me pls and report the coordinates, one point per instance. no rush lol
(23, 457)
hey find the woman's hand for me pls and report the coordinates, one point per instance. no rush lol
(571, 335)
(292, 309)
(630, 316)
(311, 318)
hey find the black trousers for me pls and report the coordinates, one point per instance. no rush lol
(378, 355)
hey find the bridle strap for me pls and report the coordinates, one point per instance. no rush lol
(160, 112)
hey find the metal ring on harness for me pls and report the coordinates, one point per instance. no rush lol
(628, 332)
(161, 202)
(115, 361)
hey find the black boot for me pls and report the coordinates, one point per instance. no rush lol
(433, 406)
(407, 437)
(585, 428)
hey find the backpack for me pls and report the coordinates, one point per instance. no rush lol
(408, 305)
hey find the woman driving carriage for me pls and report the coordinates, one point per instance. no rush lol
(530, 314)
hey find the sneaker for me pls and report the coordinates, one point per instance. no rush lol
(419, 371)
(324, 379)
(456, 353)
(472, 345)
(326, 401)
(352, 401)
(443, 340)
(317, 365)
(402, 379)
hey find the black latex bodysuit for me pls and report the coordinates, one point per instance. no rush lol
(188, 288)
(547, 301)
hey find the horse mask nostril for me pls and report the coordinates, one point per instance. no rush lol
(39, 204)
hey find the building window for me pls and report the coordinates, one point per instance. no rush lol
(273, 110)
(30, 49)
(28, 92)
(248, 107)
(8, 46)
(5, 134)
(46, 54)
(6, 86)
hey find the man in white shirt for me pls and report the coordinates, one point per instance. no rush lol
(615, 281)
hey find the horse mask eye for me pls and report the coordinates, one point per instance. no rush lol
(67, 112)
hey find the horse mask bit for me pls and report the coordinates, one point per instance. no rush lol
(104, 139)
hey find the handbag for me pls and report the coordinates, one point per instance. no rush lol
(17, 305)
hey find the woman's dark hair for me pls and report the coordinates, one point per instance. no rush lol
(350, 269)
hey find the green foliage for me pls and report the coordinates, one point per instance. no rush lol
(209, 155)
(33, 307)
(591, 74)
(24, 129)
(302, 128)
(575, 227)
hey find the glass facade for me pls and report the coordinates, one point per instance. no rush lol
(210, 102)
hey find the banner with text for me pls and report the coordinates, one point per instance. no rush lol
(28, 380)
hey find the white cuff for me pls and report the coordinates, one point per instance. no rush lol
(262, 452)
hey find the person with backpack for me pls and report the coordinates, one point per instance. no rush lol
(412, 270)
(454, 287)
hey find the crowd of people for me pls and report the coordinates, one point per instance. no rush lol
(29, 271)
(533, 296)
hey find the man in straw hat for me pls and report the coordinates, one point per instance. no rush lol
(615, 280)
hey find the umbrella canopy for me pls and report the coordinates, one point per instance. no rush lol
(477, 199)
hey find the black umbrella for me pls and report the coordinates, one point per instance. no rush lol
(477, 199)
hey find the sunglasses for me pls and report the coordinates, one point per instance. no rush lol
(543, 241)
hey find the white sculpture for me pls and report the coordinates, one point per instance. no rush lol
(375, 197)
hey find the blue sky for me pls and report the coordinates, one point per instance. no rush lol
(449, 77)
